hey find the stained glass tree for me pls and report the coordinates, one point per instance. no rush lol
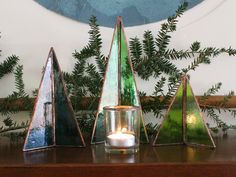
(53, 122)
(119, 86)
(183, 123)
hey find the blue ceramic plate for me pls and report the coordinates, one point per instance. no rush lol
(133, 12)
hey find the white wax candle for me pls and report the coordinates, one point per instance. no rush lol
(121, 140)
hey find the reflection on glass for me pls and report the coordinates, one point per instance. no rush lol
(99, 156)
(183, 154)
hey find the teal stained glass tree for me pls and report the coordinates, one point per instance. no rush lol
(183, 123)
(53, 122)
(119, 86)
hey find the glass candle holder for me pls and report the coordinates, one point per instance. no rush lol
(122, 129)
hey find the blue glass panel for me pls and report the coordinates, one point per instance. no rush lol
(41, 129)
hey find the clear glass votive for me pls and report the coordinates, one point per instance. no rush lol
(122, 129)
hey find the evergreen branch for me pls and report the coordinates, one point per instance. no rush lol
(136, 51)
(159, 102)
(69, 83)
(226, 99)
(155, 66)
(95, 36)
(85, 119)
(144, 68)
(172, 54)
(91, 71)
(159, 86)
(195, 46)
(94, 80)
(6, 108)
(19, 84)
(163, 38)
(202, 58)
(173, 85)
(8, 121)
(230, 51)
(79, 69)
(95, 42)
(85, 79)
(213, 90)
(165, 66)
(148, 44)
(86, 52)
(8, 65)
(151, 129)
(101, 62)
(195, 50)
(178, 55)
(211, 113)
(220, 104)
(15, 126)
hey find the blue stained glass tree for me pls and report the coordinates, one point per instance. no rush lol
(53, 122)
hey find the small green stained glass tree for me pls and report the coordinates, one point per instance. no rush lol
(53, 122)
(119, 86)
(183, 123)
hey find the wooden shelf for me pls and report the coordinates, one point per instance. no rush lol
(83, 104)
(169, 161)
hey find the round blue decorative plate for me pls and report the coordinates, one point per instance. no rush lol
(133, 12)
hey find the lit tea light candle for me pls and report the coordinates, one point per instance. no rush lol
(191, 119)
(121, 139)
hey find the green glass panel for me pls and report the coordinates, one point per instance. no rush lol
(109, 95)
(171, 130)
(129, 95)
(196, 130)
(128, 89)
(67, 130)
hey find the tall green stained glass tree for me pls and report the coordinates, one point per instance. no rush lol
(183, 123)
(53, 122)
(119, 86)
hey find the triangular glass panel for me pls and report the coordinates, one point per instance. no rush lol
(171, 129)
(197, 132)
(184, 123)
(119, 86)
(53, 122)
(109, 94)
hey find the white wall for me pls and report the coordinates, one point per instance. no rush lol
(29, 30)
